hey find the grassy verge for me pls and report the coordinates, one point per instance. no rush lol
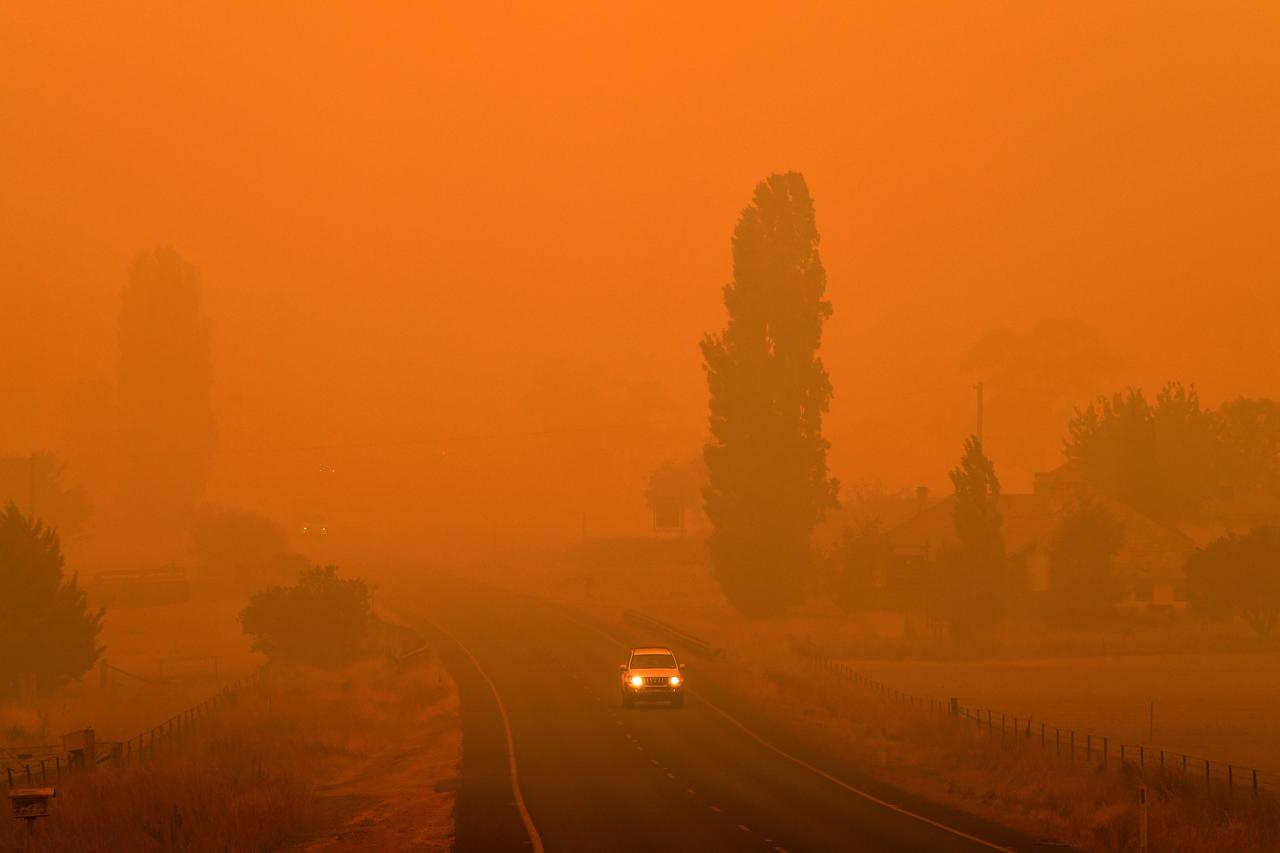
(299, 760)
(1009, 780)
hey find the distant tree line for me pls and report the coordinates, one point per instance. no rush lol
(1170, 457)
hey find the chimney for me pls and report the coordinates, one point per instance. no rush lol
(922, 498)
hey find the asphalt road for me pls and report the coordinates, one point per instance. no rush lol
(593, 776)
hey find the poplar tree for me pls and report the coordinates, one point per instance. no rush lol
(166, 373)
(768, 483)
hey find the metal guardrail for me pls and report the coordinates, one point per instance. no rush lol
(689, 641)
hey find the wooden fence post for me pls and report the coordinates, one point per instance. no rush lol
(1142, 819)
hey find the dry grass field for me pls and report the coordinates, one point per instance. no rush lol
(302, 760)
(171, 651)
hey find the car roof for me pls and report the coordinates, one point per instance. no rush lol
(651, 650)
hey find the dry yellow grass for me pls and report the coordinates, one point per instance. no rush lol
(140, 640)
(1010, 781)
(299, 758)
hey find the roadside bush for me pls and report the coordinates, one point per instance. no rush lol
(323, 621)
(236, 548)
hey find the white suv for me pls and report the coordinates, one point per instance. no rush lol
(652, 674)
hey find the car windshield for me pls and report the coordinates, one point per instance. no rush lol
(653, 662)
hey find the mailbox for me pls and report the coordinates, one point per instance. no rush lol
(31, 803)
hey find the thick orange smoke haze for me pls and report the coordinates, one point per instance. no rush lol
(416, 223)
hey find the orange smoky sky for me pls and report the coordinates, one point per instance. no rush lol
(438, 220)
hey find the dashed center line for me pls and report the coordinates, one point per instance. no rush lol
(744, 828)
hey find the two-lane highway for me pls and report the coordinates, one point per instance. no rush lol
(594, 776)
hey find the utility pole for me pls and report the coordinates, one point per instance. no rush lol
(978, 434)
(31, 504)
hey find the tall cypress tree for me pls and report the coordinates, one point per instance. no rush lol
(970, 590)
(768, 483)
(166, 373)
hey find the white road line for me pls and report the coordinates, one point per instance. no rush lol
(806, 765)
(691, 792)
(744, 827)
(714, 808)
(534, 839)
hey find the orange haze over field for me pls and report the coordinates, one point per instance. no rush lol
(464, 257)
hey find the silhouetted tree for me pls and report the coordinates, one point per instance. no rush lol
(1249, 433)
(1081, 554)
(36, 481)
(89, 443)
(324, 620)
(860, 559)
(972, 583)
(673, 488)
(768, 483)
(166, 420)
(1164, 459)
(1239, 576)
(240, 549)
(44, 616)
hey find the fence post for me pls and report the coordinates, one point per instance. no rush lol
(1255, 784)
(1231, 787)
(1142, 818)
(1106, 746)
(9, 770)
(1208, 785)
(1042, 737)
(1142, 758)
(28, 775)
(1122, 755)
(1057, 741)
(1088, 748)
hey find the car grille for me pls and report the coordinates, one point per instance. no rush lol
(656, 681)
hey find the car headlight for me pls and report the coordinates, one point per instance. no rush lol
(636, 681)
(675, 680)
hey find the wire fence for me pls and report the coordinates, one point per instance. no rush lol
(30, 765)
(1072, 745)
